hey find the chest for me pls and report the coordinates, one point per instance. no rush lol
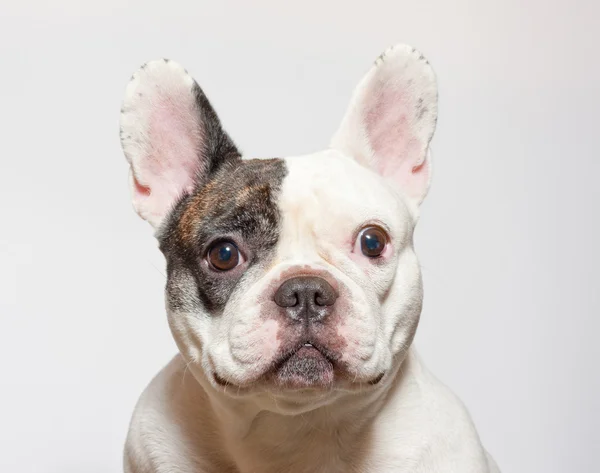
(303, 449)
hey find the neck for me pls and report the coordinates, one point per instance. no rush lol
(268, 433)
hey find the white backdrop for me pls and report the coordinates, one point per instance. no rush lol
(508, 238)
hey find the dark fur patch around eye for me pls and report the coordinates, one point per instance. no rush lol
(238, 200)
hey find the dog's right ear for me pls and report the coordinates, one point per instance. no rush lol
(171, 137)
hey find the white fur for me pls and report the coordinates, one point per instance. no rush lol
(409, 422)
(412, 424)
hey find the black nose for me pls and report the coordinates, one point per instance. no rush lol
(307, 298)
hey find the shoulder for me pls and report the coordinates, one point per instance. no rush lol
(427, 427)
(161, 436)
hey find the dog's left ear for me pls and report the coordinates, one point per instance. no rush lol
(391, 120)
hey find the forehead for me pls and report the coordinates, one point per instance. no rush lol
(334, 189)
(261, 198)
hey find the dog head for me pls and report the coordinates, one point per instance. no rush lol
(297, 275)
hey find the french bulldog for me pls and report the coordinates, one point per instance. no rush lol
(293, 289)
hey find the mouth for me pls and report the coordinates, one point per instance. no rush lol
(306, 366)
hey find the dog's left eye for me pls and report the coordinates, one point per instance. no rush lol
(224, 256)
(372, 241)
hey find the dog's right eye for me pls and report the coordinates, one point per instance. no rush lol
(224, 256)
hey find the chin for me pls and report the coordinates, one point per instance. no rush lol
(301, 377)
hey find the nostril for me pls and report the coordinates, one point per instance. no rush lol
(286, 298)
(325, 296)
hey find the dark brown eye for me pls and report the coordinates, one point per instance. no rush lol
(372, 241)
(223, 256)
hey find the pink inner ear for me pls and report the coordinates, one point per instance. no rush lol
(139, 188)
(171, 164)
(174, 135)
(396, 149)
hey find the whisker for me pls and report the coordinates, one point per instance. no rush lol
(185, 369)
(158, 270)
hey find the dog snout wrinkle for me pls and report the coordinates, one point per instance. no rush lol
(306, 298)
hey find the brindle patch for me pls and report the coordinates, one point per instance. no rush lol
(237, 202)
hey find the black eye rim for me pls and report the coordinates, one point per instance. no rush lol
(373, 225)
(220, 241)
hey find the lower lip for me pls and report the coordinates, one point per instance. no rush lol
(306, 368)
